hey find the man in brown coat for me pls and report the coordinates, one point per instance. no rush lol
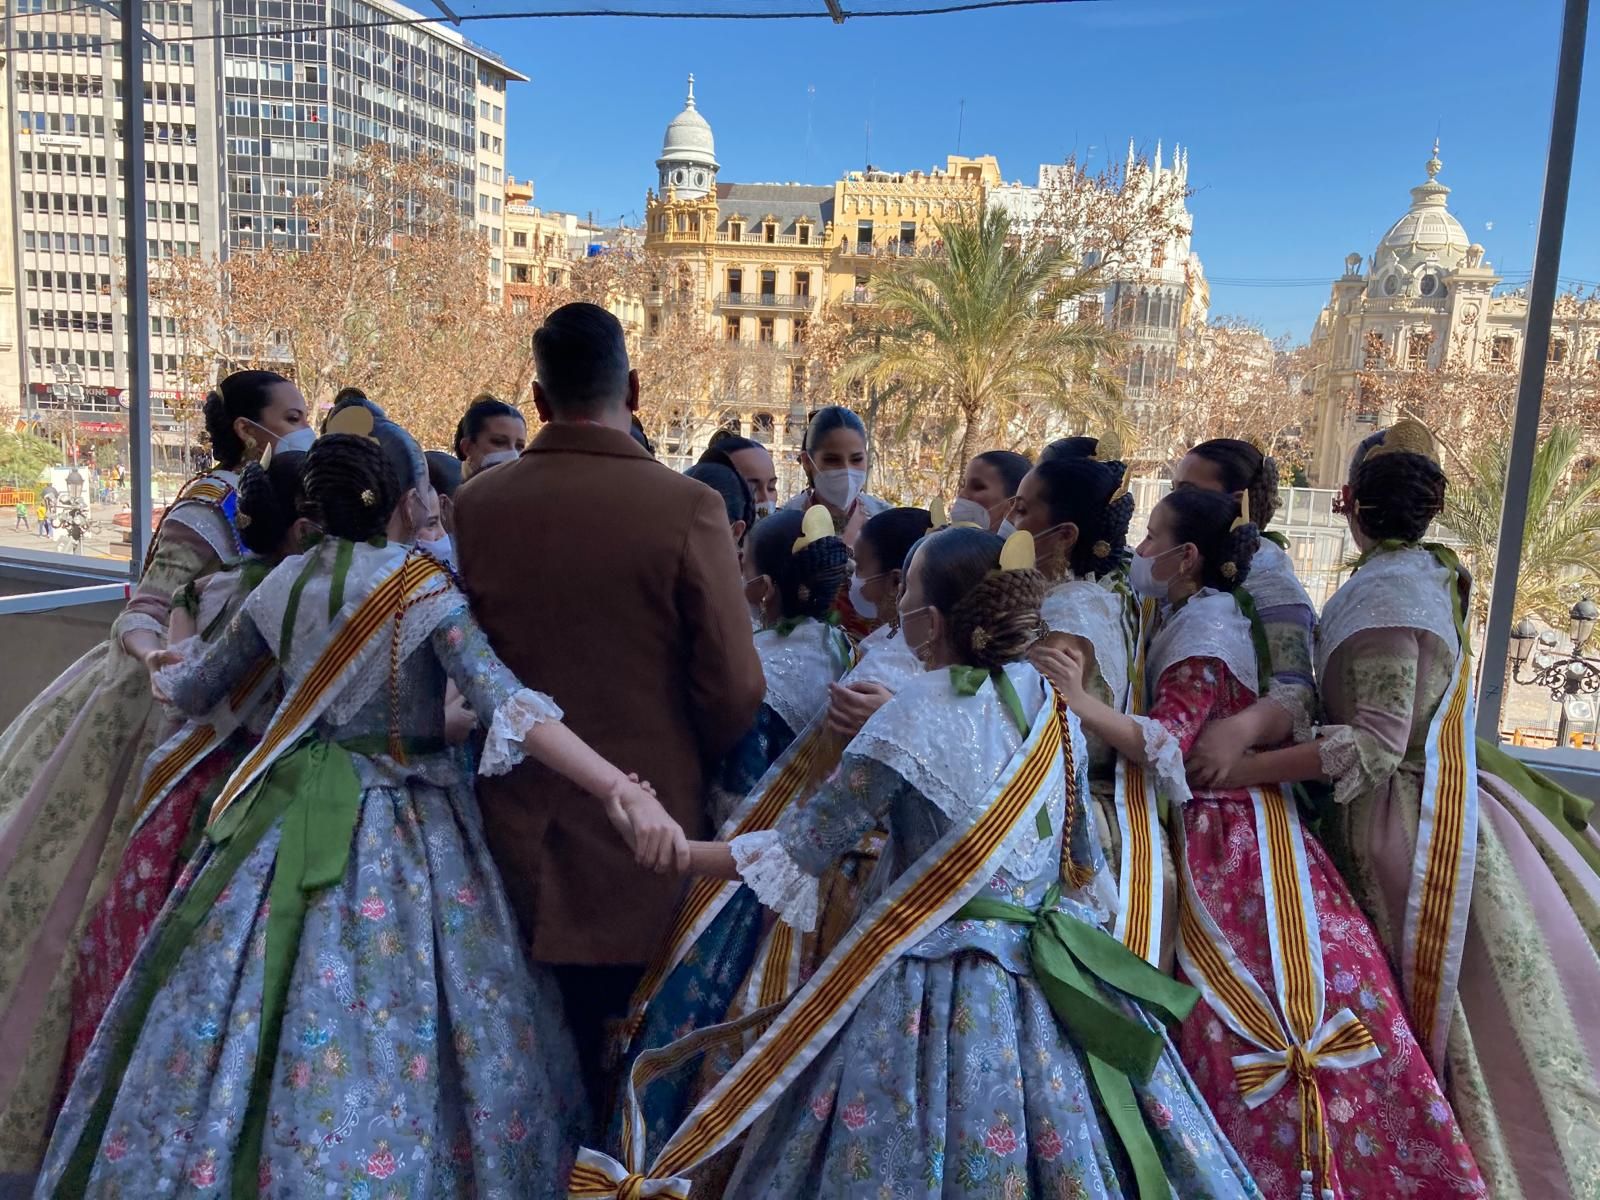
(608, 581)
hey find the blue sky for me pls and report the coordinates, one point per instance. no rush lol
(1307, 124)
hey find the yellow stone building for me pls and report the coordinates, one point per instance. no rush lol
(755, 263)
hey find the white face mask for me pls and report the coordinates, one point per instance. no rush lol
(297, 442)
(765, 508)
(443, 549)
(1142, 575)
(498, 457)
(858, 598)
(1006, 528)
(969, 512)
(839, 487)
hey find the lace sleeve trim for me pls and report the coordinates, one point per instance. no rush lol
(1296, 701)
(1164, 755)
(512, 721)
(171, 679)
(1340, 755)
(131, 620)
(777, 880)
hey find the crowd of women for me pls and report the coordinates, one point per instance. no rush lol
(1060, 861)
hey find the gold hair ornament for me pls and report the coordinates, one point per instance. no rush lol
(1108, 448)
(1244, 515)
(1102, 549)
(1018, 553)
(937, 517)
(266, 457)
(818, 524)
(1409, 436)
(355, 421)
(1230, 570)
(369, 498)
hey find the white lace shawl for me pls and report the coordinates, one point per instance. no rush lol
(885, 660)
(207, 520)
(1272, 582)
(369, 567)
(221, 590)
(951, 748)
(1208, 625)
(1091, 610)
(1397, 589)
(799, 669)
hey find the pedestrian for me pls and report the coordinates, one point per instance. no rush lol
(42, 512)
(22, 514)
(490, 433)
(612, 580)
(752, 461)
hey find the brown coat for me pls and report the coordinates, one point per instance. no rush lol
(610, 582)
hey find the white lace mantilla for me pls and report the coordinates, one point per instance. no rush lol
(1208, 625)
(885, 660)
(799, 669)
(512, 721)
(1397, 589)
(369, 567)
(1272, 582)
(1091, 610)
(221, 591)
(951, 748)
(776, 879)
(207, 520)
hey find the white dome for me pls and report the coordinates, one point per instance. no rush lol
(1429, 231)
(688, 138)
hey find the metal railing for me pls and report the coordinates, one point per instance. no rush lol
(755, 237)
(890, 249)
(784, 300)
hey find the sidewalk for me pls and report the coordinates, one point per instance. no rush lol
(105, 542)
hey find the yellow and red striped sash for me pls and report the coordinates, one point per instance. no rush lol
(174, 757)
(1445, 863)
(306, 701)
(202, 489)
(1294, 1039)
(778, 788)
(948, 875)
(1140, 892)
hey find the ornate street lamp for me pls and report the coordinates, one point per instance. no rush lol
(74, 486)
(1566, 676)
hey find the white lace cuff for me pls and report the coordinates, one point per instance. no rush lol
(1340, 756)
(502, 749)
(128, 622)
(1164, 756)
(169, 680)
(1296, 701)
(776, 878)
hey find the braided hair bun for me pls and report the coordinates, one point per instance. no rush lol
(1205, 520)
(993, 614)
(808, 581)
(1242, 467)
(1079, 491)
(269, 502)
(1397, 495)
(350, 487)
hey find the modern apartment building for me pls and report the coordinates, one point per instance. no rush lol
(248, 106)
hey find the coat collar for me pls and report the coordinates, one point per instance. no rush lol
(581, 437)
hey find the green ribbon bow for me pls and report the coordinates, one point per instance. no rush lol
(1276, 538)
(1071, 961)
(967, 681)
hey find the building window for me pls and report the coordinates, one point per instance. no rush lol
(730, 329)
(735, 281)
(770, 232)
(864, 237)
(1558, 350)
(735, 231)
(1158, 255)
(802, 284)
(1504, 350)
(764, 333)
(803, 233)
(655, 324)
(797, 381)
(1417, 349)
(769, 284)
(908, 234)
(802, 331)
(1088, 311)
(519, 240)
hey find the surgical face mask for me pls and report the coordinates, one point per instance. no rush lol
(443, 549)
(969, 512)
(858, 597)
(839, 487)
(765, 508)
(1142, 575)
(916, 627)
(498, 457)
(297, 442)
(1006, 528)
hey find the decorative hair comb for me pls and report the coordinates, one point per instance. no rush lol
(818, 524)
(1018, 552)
(1409, 436)
(1108, 447)
(355, 421)
(937, 517)
(266, 457)
(1244, 515)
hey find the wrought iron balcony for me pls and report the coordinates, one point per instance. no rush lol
(785, 301)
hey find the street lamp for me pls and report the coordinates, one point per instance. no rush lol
(1566, 676)
(74, 486)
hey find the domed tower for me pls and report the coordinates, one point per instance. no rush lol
(1422, 246)
(688, 162)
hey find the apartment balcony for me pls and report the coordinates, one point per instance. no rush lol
(754, 237)
(779, 301)
(890, 249)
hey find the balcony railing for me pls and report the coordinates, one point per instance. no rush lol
(755, 237)
(780, 300)
(890, 249)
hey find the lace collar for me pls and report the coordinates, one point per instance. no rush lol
(1095, 610)
(1394, 589)
(1272, 582)
(799, 666)
(1208, 625)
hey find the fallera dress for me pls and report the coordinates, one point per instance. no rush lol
(1391, 1130)
(335, 1002)
(1522, 1047)
(69, 773)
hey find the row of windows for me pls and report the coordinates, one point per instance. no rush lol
(53, 83)
(73, 321)
(491, 112)
(247, 223)
(492, 144)
(68, 243)
(56, 122)
(733, 327)
(168, 93)
(280, 110)
(69, 281)
(256, 185)
(171, 14)
(162, 131)
(282, 72)
(490, 173)
(159, 250)
(523, 273)
(46, 356)
(279, 148)
(489, 204)
(76, 203)
(768, 282)
(65, 164)
(168, 211)
(171, 172)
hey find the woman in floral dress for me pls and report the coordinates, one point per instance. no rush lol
(70, 766)
(952, 1075)
(1519, 1038)
(335, 1001)
(1389, 1128)
(172, 807)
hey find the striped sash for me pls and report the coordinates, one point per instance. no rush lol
(1442, 871)
(357, 637)
(202, 489)
(1140, 894)
(1294, 1037)
(946, 877)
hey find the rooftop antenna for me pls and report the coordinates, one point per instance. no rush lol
(961, 121)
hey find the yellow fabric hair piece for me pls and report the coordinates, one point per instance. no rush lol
(1108, 447)
(818, 524)
(1018, 552)
(355, 420)
(938, 518)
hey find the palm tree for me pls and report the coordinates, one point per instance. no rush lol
(979, 327)
(1561, 541)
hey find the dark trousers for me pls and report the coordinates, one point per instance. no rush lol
(595, 999)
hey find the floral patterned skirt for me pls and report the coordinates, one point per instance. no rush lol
(419, 1055)
(1392, 1130)
(953, 1078)
(151, 864)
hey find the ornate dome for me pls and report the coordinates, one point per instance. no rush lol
(688, 161)
(1428, 233)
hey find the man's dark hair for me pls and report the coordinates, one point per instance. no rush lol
(582, 360)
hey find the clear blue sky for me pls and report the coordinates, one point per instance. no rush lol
(1307, 123)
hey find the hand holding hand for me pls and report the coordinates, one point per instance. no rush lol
(1215, 756)
(850, 705)
(656, 840)
(154, 661)
(459, 721)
